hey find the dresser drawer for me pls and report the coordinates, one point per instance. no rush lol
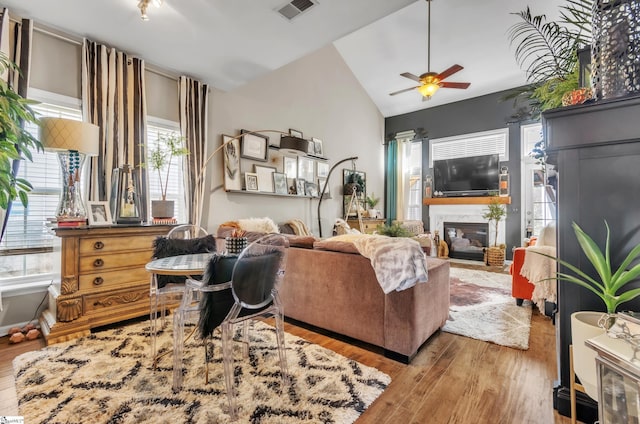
(111, 261)
(101, 302)
(112, 279)
(96, 245)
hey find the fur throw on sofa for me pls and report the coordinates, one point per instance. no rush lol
(258, 225)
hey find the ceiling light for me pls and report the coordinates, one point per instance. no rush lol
(144, 4)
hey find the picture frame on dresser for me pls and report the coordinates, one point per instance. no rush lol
(99, 213)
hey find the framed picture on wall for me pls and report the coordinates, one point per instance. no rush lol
(317, 147)
(280, 183)
(322, 169)
(306, 168)
(300, 187)
(265, 177)
(251, 181)
(255, 146)
(231, 153)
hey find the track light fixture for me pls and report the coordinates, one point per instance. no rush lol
(144, 4)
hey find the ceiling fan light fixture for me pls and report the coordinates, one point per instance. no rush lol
(429, 89)
(144, 4)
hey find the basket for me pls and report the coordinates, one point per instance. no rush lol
(494, 256)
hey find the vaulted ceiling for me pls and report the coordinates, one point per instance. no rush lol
(227, 43)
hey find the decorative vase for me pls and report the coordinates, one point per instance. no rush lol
(235, 245)
(585, 325)
(615, 70)
(162, 208)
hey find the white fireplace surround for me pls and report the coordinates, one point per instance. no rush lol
(439, 214)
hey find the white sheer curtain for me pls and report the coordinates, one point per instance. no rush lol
(403, 171)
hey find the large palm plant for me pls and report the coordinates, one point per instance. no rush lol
(547, 52)
(15, 142)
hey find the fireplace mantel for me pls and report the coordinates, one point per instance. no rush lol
(484, 200)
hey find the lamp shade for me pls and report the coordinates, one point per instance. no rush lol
(295, 144)
(60, 134)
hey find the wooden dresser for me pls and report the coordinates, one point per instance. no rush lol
(369, 225)
(102, 279)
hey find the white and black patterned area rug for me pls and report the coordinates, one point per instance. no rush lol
(481, 307)
(107, 378)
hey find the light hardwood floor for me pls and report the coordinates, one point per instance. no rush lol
(453, 379)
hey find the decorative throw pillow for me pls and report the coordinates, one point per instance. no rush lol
(164, 247)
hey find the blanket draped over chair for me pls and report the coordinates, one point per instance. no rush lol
(399, 263)
(540, 271)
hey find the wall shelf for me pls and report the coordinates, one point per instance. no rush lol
(483, 200)
(265, 193)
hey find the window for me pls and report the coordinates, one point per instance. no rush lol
(156, 128)
(27, 246)
(476, 144)
(413, 205)
(538, 197)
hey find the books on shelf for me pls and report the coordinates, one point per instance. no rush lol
(164, 221)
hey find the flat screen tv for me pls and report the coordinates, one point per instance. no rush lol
(475, 175)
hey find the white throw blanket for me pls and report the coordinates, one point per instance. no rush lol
(399, 263)
(537, 268)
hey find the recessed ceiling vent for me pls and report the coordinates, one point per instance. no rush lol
(295, 8)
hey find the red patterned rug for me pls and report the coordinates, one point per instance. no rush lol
(482, 308)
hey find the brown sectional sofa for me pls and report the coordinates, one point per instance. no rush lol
(338, 291)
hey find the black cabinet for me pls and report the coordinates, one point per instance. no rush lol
(597, 151)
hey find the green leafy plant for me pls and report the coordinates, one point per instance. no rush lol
(610, 282)
(495, 213)
(372, 200)
(547, 52)
(161, 156)
(393, 230)
(16, 143)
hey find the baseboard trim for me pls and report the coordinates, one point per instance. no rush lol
(586, 408)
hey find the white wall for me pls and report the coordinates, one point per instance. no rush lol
(317, 95)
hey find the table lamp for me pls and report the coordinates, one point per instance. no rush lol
(73, 141)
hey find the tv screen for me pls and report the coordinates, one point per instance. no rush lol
(464, 175)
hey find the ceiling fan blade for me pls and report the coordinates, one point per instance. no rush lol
(448, 72)
(455, 84)
(410, 76)
(403, 91)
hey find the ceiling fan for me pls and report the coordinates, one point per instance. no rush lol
(430, 82)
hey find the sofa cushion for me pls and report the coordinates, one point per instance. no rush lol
(305, 242)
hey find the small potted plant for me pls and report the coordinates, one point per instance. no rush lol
(494, 214)
(372, 201)
(160, 159)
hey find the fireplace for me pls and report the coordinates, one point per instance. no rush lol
(466, 240)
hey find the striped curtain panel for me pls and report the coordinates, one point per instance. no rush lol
(19, 53)
(193, 106)
(113, 98)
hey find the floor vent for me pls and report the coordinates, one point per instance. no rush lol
(295, 8)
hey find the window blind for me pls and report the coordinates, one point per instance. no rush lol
(474, 144)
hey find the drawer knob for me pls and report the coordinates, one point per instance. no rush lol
(98, 281)
(98, 245)
(98, 263)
